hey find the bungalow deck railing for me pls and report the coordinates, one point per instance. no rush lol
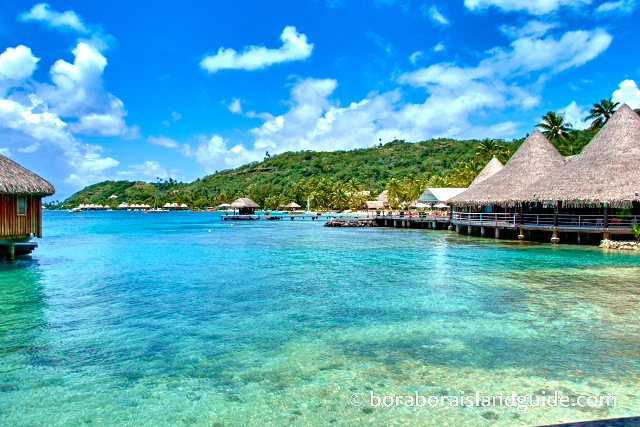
(485, 218)
(546, 220)
(580, 221)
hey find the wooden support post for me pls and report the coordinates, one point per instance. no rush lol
(606, 235)
(521, 235)
(395, 222)
(11, 252)
(497, 233)
(606, 217)
(458, 229)
(554, 237)
(450, 227)
(469, 230)
(483, 231)
(555, 217)
(578, 237)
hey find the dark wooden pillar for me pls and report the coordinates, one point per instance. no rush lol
(555, 216)
(606, 217)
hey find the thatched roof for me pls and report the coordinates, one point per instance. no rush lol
(535, 158)
(244, 202)
(293, 205)
(14, 179)
(374, 204)
(493, 167)
(382, 197)
(607, 171)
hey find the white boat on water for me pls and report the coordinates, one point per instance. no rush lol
(156, 208)
(75, 210)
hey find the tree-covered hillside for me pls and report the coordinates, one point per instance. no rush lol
(328, 179)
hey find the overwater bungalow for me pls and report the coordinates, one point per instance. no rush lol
(597, 192)
(21, 193)
(245, 206)
(487, 203)
(293, 206)
(539, 192)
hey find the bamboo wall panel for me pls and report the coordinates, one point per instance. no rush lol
(13, 225)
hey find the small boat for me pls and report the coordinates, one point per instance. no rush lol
(156, 208)
(75, 210)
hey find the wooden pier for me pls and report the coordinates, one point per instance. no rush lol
(276, 217)
(536, 227)
(572, 228)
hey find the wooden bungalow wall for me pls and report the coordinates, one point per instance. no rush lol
(12, 225)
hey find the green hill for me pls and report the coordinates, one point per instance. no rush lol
(329, 179)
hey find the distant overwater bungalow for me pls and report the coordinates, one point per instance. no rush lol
(574, 199)
(21, 193)
(245, 206)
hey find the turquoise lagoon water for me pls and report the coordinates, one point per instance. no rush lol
(126, 318)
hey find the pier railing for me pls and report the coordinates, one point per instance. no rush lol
(486, 219)
(546, 220)
(581, 221)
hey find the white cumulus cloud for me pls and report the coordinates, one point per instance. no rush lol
(534, 7)
(235, 106)
(78, 94)
(575, 114)
(527, 54)
(65, 20)
(294, 48)
(436, 17)
(621, 6)
(214, 154)
(149, 170)
(17, 63)
(530, 29)
(628, 93)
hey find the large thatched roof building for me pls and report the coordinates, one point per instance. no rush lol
(493, 167)
(606, 173)
(21, 193)
(535, 158)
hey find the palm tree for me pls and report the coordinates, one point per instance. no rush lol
(555, 128)
(411, 187)
(395, 195)
(601, 113)
(489, 147)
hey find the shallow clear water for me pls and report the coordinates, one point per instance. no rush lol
(125, 318)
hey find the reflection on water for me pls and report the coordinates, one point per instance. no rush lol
(129, 319)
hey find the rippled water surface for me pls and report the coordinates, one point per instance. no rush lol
(126, 318)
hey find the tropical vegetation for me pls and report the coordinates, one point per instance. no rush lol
(345, 179)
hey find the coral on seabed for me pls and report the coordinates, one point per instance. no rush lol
(623, 246)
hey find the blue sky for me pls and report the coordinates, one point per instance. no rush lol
(137, 90)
